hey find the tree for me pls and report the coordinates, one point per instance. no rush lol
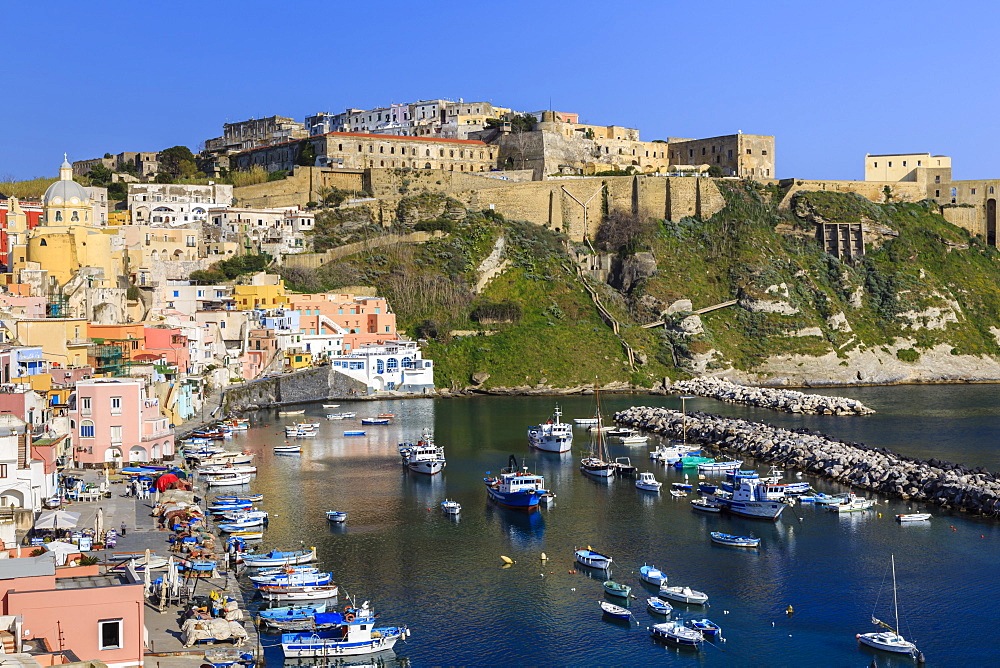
(523, 123)
(99, 175)
(715, 171)
(118, 191)
(178, 162)
(307, 156)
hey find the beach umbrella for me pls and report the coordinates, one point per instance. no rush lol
(99, 524)
(61, 550)
(145, 575)
(57, 518)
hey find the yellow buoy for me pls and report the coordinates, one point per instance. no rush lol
(880, 515)
(789, 610)
(544, 558)
(506, 560)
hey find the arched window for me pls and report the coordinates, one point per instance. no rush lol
(381, 149)
(87, 429)
(381, 163)
(427, 166)
(75, 217)
(427, 154)
(407, 363)
(58, 216)
(379, 366)
(42, 243)
(392, 365)
(991, 190)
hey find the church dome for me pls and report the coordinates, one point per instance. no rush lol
(65, 190)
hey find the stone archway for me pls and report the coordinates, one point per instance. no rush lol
(12, 497)
(991, 222)
(137, 454)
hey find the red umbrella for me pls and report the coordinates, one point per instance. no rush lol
(165, 481)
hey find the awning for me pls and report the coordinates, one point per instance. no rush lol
(57, 519)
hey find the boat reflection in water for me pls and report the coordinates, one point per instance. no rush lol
(428, 490)
(525, 528)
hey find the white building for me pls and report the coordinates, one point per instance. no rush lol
(185, 298)
(273, 231)
(396, 365)
(23, 481)
(174, 204)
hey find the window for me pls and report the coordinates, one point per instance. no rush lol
(392, 365)
(937, 179)
(87, 429)
(58, 216)
(763, 152)
(972, 192)
(387, 328)
(937, 193)
(109, 633)
(75, 217)
(85, 406)
(876, 165)
(729, 154)
(749, 151)
(379, 366)
(904, 163)
(919, 162)
(890, 163)
(116, 405)
(177, 293)
(954, 192)
(116, 434)
(3, 470)
(991, 190)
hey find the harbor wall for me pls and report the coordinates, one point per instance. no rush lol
(315, 384)
(950, 486)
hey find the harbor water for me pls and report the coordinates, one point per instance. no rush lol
(444, 578)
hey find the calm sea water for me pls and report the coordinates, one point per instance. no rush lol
(443, 577)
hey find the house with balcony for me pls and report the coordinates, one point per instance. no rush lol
(394, 365)
(26, 480)
(259, 354)
(115, 420)
(364, 320)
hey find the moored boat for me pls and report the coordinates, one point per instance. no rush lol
(375, 421)
(889, 640)
(617, 589)
(553, 435)
(749, 499)
(717, 467)
(677, 633)
(228, 479)
(592, 559)
(336, 516)
(279, 558)
(300, 411)
(303, 593)
(658, 606)
(287, 449)
(616, 611)
(350, 633)
(913, 517)
(706, 627)
(240, 498)
(423, 456)
(451, 507)
(355, 432)
(624, 467)
(515, 487)
(652, 575)
(684, 595)
(647, 481)
(705, 506)
(585, 422)
(734, 541)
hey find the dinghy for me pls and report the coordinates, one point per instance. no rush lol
(616, 611)
(652, 575)
(593, 559)
(734, 541)
(658, 606)
(278, 558)
(684, 595)
(617, 589)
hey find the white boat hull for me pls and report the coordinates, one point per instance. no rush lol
(427, 466)
(329, 648)
(887, 642)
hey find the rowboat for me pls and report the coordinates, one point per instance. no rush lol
(301, 411)
(652, 575)
(336, 516)
(658, 606)
(331, 405)
(734, 541)
(288, 580)
(585, 421)
(247, 535)
(375, 421)
(291, 612)
(278, 558)
(684, 595)
(617, 589)
(284, 570)
(228, 479)
(310, 593)
(706, 627)
(705, 506)
(287, 449)
(355, 432)
(913, 517)
(616, 611)
(226, 468)
(238, 526)
(593, 559)
(385, 416)
(244, 497)
(677, 633)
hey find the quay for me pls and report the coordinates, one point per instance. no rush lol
(951, 486)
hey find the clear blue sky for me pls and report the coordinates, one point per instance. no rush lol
(831, 80)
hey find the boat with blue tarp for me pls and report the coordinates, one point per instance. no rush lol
(515, 487)
(350, 633)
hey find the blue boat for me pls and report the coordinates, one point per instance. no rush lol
(733, 475)
(707, 627)
(616, 611)
(515, 487)
(375, 420)
(246, 498)
(658, 606)
(278, 558)
(355, 432)
(734, 541)
(336, 516)
(292, 580)
(652, 575)
(349, 634)
(291, 613)
(707, 488)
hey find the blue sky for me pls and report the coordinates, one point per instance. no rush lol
(831, 81)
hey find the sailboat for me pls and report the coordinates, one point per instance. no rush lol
(889, 640)
(596, 464)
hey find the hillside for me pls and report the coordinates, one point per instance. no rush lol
(922, 305)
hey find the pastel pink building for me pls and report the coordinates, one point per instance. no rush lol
(22, 306)
(114, 421)
(365, 320)
(94, 623)
(170, 345)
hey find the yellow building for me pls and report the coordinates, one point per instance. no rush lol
(296, 359)
(66, 201)
(265, 291)
(123, 217)
(63, 340)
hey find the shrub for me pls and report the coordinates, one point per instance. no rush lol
(488, 311)
(278, 175)
(445, 225)
(908, 355)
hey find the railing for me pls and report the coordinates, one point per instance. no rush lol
(156, 434)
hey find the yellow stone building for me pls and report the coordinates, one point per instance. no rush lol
(63, 340)
(264, 291)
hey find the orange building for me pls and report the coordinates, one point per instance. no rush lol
(365, 320)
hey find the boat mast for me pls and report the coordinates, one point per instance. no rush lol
(895, 607)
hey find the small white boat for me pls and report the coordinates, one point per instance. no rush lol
(684, 595)
(889, 640)
(451, 507)
(852, 506)
(652, 575)
(276, 558)
(331, 405)
(705, 506)
(585, 421)
(228, 479)
(913, 517)
(336, 516)
(715, 467)
(304, 593)
(287, 449)
(593, 559)
(295, 412)
(647, 481)
(334, 416)
(658, 606)
(634, 439)
(615, 611)
(215, 470)
(677, 633)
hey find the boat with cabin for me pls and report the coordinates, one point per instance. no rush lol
(423, 456)
(553, 435)
(596, 464)
(648, 482)
(451, 507)
(889, 640)
(749, 499)
(677, 633)
(515, 487)
(350, 633)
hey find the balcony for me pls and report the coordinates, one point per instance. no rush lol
(156, 435)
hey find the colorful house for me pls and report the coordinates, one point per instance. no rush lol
(264, 291)
(365, 320)
(114, 420)
(396, 365)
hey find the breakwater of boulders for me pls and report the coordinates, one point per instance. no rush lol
(949, 485)
(789, 401)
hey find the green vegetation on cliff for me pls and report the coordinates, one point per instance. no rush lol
(922, 283)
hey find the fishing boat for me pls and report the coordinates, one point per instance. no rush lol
(336, 516)
(593, 559)
(671, 454)
(629, 436)
(232, 527)
(451, 507)
(350, 633)
(888, 640)
(596, 464)
(245, 514)
(376, 421)
(223, 459)
(247, 535)
(292, 580)
(624, 467)
(515, 487)
(585, 422)
(692, 461)
(705, 506)
(706, 627)
(617, 589)
(647, 481)
(355, 432)
(279, 558)
(334, 416)
(652, 575)
(302, 430)
(287, 449)
(423, 456)
(734, 541)
(348, 415)
(616, 611)
(303, 593)
(288, 613)
(716, 467)
(553, 435)
(749, 499)
(226, 468)
(228, 479)
(386, 416)
(853, 504)
(245, 498)
(300, 411)
(284, 570)
(707, 488)
(331, 405)
(658, 606)
(677, 633)
(684, 595)
(913, 517)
